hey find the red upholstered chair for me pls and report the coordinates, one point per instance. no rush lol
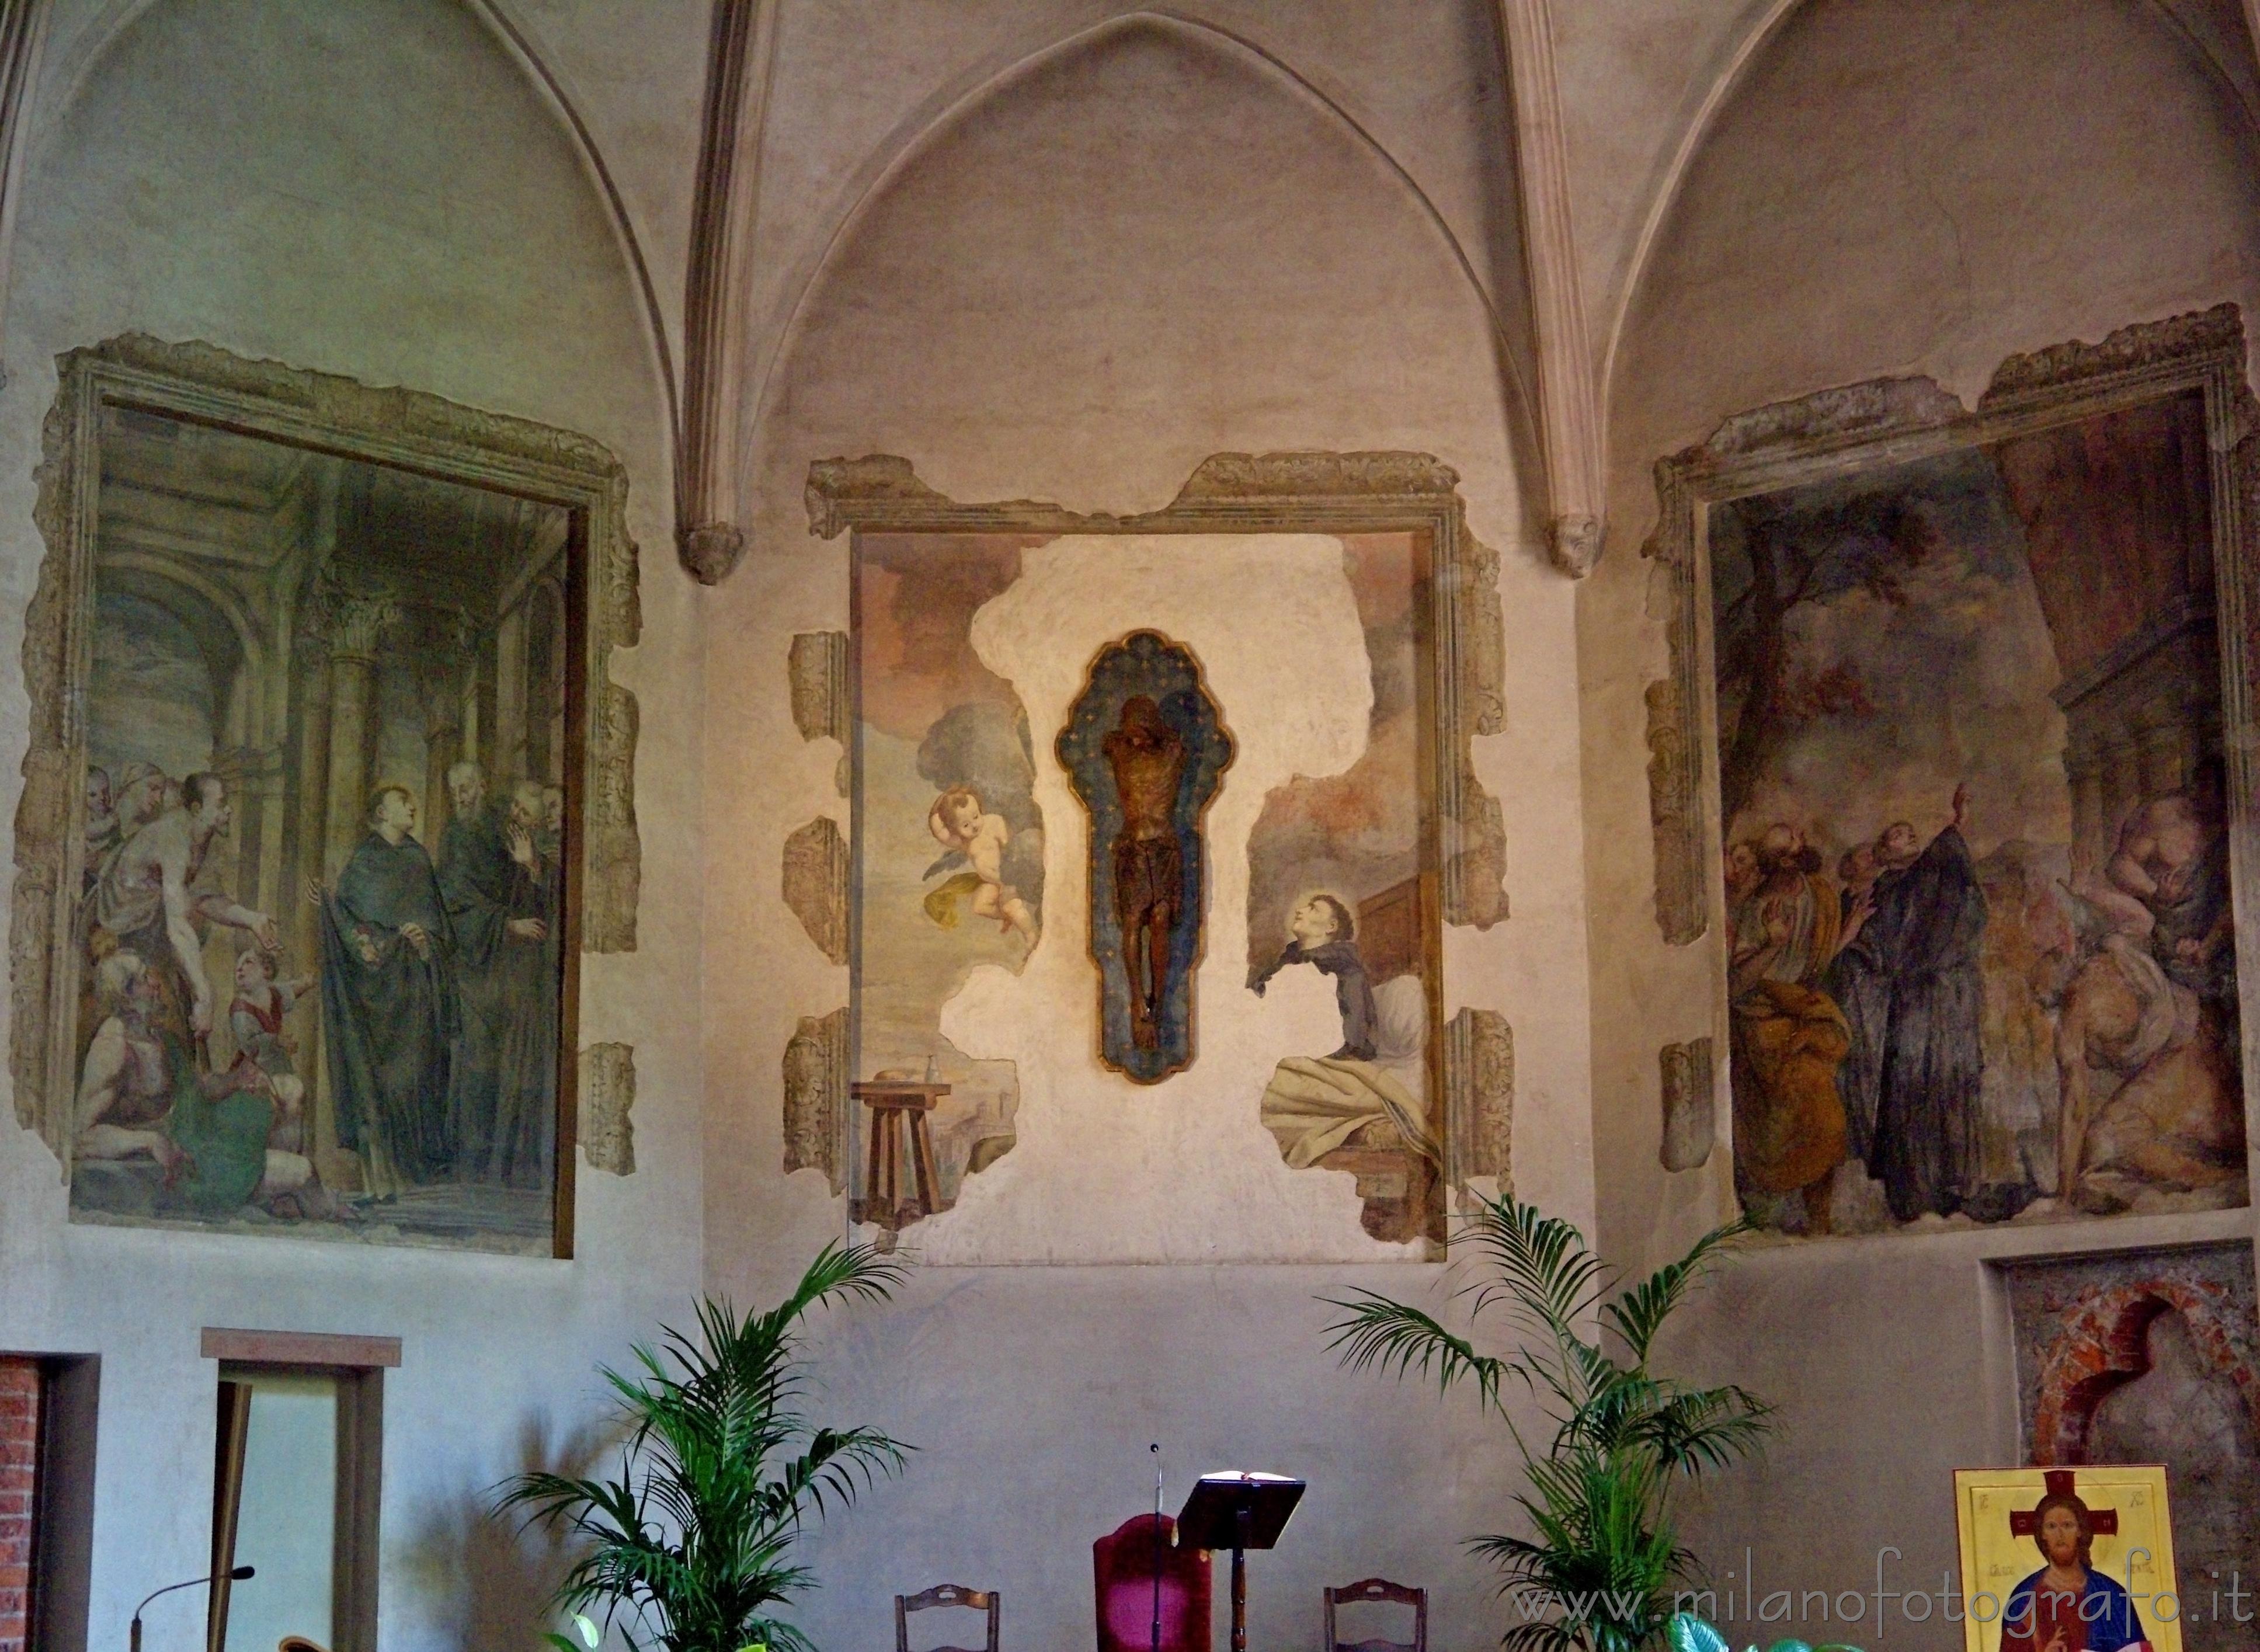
(1379, 1589)
(1123, 1564)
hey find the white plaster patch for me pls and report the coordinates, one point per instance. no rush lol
(1103, 1170)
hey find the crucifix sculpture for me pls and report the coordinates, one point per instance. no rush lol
(1148, 758)
(1145, 747)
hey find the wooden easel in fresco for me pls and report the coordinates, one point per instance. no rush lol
(898, 1107)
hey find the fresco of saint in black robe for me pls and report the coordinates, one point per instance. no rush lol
(505, 1062)
(1914, 995)
(388, 1007)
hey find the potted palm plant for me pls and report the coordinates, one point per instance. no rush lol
(691, 1541)
(1602, 1561)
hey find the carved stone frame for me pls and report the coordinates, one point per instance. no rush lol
(201, 384)
(1885, 422)
(1301, 493)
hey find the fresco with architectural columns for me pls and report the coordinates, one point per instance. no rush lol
(1976, 820)
(322, 904)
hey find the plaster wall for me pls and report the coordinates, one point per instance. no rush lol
(1644, 83)
(372, 188)
(1153, 248)
(636, 90)
(851, 88)
(1921, 187)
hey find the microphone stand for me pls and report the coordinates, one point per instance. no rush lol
(1157, 1547)
(238, 1574)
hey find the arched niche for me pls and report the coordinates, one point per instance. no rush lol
(2101, 1346)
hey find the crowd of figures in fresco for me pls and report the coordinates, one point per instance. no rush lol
(1981, 951)
(440, 989)
(1863, 1006)
(436, 991)
(318, 947)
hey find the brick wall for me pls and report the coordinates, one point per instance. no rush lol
(19, 1444)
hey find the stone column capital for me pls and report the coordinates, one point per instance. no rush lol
(354, 622)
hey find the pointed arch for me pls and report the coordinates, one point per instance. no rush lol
(71, 64)
(1724, 80)
(947, 109)
(1731, 69)
(501, 16)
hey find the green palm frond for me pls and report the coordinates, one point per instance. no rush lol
(1547, 1279)
(1692, 1429)
(1638, 1313)
(1599, 1564)
(691, 1541)
(1398, 1339)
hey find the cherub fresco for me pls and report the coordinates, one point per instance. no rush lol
(974, 842)
(256, 1017)
(948, 844)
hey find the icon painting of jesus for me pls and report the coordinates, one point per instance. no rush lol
(2065, 1560)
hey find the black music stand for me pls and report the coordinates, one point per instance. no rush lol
(1239, 1511)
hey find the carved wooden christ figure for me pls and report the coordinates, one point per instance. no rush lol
(1145, 747)
(1147, 757)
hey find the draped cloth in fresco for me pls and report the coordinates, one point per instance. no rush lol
(520, 1152)
(1316, 1104)
(1789, 1040)
(386, 1025)
(224, 1135)
(1789, 1121)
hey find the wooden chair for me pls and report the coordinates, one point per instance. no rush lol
(945, 1595)
(1380, 1589)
